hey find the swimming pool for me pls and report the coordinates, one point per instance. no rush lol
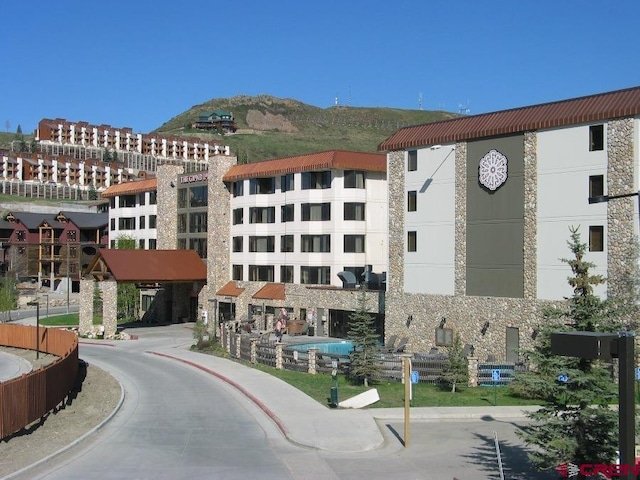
(335, 348)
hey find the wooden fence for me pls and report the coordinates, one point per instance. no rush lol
(27, 398)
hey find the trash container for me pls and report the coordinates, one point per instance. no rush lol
(334, 396)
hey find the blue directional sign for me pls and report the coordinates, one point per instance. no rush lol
(414, 376)
(563, 378)
(495, 374)
(637, 373)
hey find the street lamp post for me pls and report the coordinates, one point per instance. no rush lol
(36, 304)
(624, 349)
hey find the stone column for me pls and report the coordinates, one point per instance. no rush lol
(254, 350)
(473, 371)
(110, 308)
(279, 361)
(313, 354)
(85, 312)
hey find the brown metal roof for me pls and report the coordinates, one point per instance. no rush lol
(130, 188)
(230, 290)
(130, 265)
(593, 108)
(271, 291)
(332, 159)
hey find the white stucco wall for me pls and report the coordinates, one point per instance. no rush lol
(564, 166)
(431, 268)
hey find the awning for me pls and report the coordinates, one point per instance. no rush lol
(230, 290)
(271, 291)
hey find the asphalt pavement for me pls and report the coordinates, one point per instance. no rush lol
(307, 423)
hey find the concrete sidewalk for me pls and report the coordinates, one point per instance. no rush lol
(306, 422)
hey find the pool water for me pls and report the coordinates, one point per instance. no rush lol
(335, 348)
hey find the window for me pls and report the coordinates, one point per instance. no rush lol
(596, 138)
(258, 186)
(357, 271)
(412, 242)
(198, 196)
(182, 223)
(127, 223)
(286, 273)
(412, 160)
(141, 244)
(262, 214)
(236, 272)
(286, 243)
(261, 273)
(596, 185)
(315, 275)
(113, 224)
(153, 197)
(198, 222)
(238, 216)
(316, 212)
(286, 213)
(141, 222)
(353, 179)
(182, 198)
(152, 244)
(112, 202)
(199, 245)
(182, 244)
(354, 211)
(142, 198)
(316, 180)
(113, 244)
(127, 201)
(315, 243)
(21, 235)
(412, 201)
(354, 244)
(238, 188)
(237, 244)
(262, 244)
(71, 236)
(596, 238)
(152, 221)
(286, 182)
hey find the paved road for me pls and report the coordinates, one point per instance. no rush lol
(178, 421)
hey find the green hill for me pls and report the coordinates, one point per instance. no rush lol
(270, 127)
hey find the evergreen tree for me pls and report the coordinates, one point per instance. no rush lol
(364, 364)
(456, 370)
(575, 423)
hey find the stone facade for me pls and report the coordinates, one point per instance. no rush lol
(620, 212)
(167, 220)
(480, 321)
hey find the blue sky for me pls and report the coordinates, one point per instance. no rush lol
(138, 63)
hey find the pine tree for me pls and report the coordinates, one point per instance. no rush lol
(364, 363)
(456, 369)
(575, 423)
(128, 296)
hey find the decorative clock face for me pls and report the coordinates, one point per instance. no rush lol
(492, 171)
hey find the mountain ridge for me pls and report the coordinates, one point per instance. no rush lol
(272, 127)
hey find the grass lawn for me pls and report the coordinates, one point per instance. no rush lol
(391, 394)
(66, 320)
